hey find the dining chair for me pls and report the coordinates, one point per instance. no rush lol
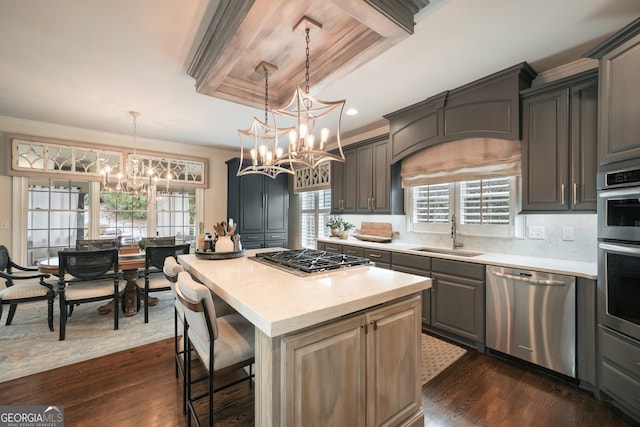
(87, 276)
(155, 257)
(22, 285)
(93, 244)
(161, 241)
(223, 344)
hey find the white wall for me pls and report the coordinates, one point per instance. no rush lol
(582, 248)
(215, 197)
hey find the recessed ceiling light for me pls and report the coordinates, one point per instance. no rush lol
(352, 112)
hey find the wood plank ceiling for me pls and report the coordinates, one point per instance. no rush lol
(244, 33)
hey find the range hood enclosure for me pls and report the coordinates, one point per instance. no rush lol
(485, 108)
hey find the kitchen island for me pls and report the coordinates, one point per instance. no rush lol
(334, 348)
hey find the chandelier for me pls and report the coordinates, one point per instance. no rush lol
(309, 115)
(266, 156)
(138, 172)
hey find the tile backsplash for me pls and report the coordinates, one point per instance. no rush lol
(558, 231)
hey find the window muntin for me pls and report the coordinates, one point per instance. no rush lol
(315, 207)
(176, 215)
(485, 201)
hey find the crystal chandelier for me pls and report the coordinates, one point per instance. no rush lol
(266, 156)
(309, 114)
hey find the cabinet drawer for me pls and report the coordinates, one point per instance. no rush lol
(458, 268)
(275, 236)
(376, 256)
(332, 247)
(625, 389)
(621, 351)
(353, 250)
(418, 262)
(252, 237)
(321, 246)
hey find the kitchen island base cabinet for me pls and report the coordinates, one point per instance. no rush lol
(358, 371)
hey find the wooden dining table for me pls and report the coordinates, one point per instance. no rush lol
(129, 263)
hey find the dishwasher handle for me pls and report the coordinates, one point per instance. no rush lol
(528, 279)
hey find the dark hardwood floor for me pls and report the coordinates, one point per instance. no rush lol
(138, 387)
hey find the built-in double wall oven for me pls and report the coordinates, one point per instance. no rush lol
(619, 251)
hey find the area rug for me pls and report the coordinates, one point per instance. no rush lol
(437, 355)
(28, 347)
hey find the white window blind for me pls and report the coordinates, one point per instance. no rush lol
(315, 207)
(431, 204)
(485, 201)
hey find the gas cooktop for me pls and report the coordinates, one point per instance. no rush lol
(309, 261)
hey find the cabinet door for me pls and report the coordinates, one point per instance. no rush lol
(381, 178)
(393, 358)
(365, 178)
(324, 375)
(252, 199)
(276, 204)
(619, 107)
(457, 306)
(337, 187)
(584, 146)
(545, 151)
(350, 181)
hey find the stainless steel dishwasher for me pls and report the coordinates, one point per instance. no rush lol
(532, 316)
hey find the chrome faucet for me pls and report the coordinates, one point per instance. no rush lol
(454, 232)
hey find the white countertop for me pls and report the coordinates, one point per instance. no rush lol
(278, 302)
(586, 270)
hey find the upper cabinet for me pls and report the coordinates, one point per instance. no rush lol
(619, 131)
(366, 182)
(486, 108)
(559, 145)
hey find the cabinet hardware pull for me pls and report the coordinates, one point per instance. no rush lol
(575, 193)
(252, 237)
(634, 397)
(366, 328)
(373, 203)
(562, 190)
(375, 325)
(275, 237)
(375, 256)
(636, 363)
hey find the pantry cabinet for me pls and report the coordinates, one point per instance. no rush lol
(559, 145)
(371, 354)
(260, 206)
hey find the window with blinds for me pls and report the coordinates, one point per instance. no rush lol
(485, 201)
(484, 206)
(431, 204)
(315, 207)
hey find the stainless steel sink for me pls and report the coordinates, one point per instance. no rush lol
(456, 252)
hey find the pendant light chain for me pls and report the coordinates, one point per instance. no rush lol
(306, 76)
(266, 94)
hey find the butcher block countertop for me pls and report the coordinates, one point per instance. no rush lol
(278, 302)
(585, 270)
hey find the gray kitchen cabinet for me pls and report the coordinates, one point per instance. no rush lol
(420, 266)
(620, 370)
(457, 301)
(333, 247)
(619, 126)
(559, 145)
(260, 206)
(381, 258)
(353, 250)
(375, 354)
(366, 182)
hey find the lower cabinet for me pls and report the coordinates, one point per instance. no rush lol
(620, 370)
(360, 371)
(457, 300)
(418, 265)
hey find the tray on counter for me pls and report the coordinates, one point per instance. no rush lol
(219, 255)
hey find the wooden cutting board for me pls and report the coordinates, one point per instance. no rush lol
(382, 229)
